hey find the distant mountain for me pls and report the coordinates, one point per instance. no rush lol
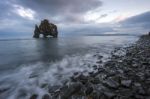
(111, 35)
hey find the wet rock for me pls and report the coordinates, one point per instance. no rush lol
(126, 83)
(122, 77)
(34, 96)
(148, 97)
(100, 57)
(139, 97)
(72, 89)
(96, 95)
(82, 78)
(46, 96)
(2, 90)
(76, 73)
(148, 91)
(99, 62)
(95, 67)
(109, 94)
(95, 81)
(52, 89)
(125, 92)
(89, 90)
(46, 29)
(111, 83)
(141, 91)
(44, 85)
(21, 93)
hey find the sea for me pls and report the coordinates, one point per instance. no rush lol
(28, 63)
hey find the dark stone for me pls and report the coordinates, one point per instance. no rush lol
(95, 67)
(95, 81)
(139, 97)
(46, 96)
(34, 96)
(111, 83)
(126, 92)
(72, 89)
(3, 90)
(46, 29)
(76, 73)
(141, 91)
(109, 94)
(83, 79)
(89, 90)
(99, 62)
(126, 83)
(44, 85)
(52, 89)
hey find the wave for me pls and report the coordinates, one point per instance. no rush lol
(30, 79)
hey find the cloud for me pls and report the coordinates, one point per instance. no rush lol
(68, 10)
(138, 19)
(71, 17)
(137, 24)
(86, 29)
(24, 12)
(61, 6)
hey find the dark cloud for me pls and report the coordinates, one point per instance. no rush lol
(61, 6)
(143, 18)
(57, 10)
(67, 14)
(137, 24)
(4, 10)
(86, 29)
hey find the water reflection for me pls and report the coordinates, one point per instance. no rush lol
(47, 49)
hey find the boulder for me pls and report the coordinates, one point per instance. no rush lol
(46, 28)
(126, 83)
(34, 96)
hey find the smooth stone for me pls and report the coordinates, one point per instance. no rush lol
(72, 89)
(34, 96)
(4, 90)
(141, 91)
(89, 90)
(111, 83)
(108, 94)
(46, 96)
(53, 89)
(126, 83)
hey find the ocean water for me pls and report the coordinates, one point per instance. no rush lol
(27, 63)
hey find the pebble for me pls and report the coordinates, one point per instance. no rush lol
(121, 77)
(34, 96)
(126, 83)
(111, 83)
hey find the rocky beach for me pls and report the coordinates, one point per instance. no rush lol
(125, 75)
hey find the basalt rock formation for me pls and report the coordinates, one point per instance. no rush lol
(46, 29)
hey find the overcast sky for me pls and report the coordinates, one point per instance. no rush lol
(76, 16)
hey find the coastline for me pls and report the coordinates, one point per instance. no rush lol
(123, 76)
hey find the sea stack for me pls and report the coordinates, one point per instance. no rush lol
(46, 28)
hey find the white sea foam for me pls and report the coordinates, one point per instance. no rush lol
(28, 79)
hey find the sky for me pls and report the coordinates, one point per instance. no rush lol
(75, 17)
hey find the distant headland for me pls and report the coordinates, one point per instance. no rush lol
(46, 28)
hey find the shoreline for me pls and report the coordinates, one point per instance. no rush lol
(123, 76)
